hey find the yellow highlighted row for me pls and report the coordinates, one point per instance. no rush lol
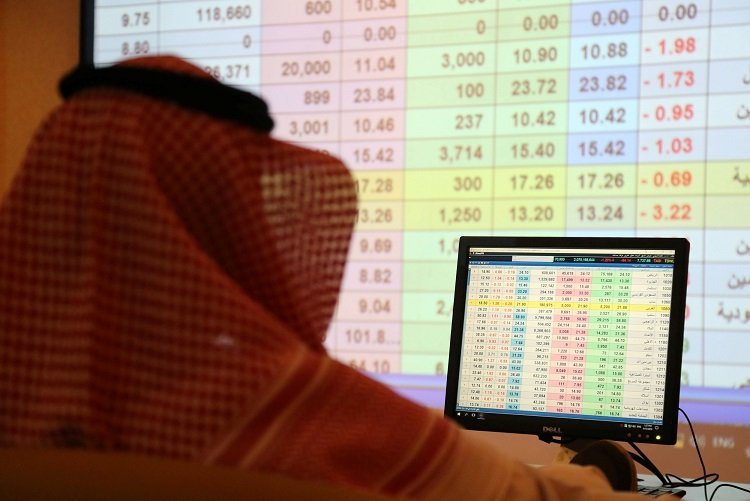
(464, 169)
(562, 305)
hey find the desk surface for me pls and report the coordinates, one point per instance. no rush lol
(696, 493)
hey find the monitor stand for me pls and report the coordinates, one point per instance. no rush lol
(611, 460)
(570, 447)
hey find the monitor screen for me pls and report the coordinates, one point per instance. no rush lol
(572, 337)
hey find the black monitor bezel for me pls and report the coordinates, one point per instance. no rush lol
(86, 38)
(565, 427)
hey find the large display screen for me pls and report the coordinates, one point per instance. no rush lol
(498, 117)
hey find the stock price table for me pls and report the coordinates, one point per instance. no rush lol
(549, 340)
(533, 117)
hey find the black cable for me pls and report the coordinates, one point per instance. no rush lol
(643, 460)
(705, 478)
(727, 485)
(714, 477)
(671, 480)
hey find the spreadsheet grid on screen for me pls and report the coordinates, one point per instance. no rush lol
(495, 117)
(578, 333)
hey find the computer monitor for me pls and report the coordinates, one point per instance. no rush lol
(568, 337)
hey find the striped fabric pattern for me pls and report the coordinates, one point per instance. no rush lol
(167, 279)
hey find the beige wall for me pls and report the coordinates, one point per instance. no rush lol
(38, 44)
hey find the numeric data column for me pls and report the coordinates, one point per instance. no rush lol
(603, 118)
(602, 344)
(373, 92)
(566, 390)
(301, 70)
(222, 37)
(672, 144)
(539, 335)
(618, 358)
(516, 377)
(502, 292)
(532, 117)
(125, 29)
(659, 374)
(447, 177)
(477, 385)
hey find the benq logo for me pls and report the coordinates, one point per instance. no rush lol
(552, 429)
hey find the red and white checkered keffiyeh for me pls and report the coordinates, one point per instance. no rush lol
(166, 279)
